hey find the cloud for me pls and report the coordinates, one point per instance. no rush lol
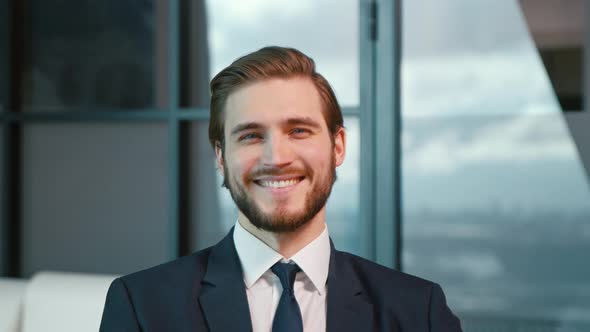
(326, 30)
(477, 265)
(519, 138)
(496, 83)
(432, 28)
(509, 93)
(256, 12)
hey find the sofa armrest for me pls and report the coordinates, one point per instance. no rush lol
(65, 302)
(12, 292)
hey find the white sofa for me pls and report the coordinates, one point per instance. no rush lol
(53, 301)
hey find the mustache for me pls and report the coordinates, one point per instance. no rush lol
(276, 171)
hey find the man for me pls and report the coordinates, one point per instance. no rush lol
(278, 135)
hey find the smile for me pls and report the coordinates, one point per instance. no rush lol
(279, 183)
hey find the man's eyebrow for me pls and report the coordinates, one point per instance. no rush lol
(300, 121)
(245, 126)
(306, 121)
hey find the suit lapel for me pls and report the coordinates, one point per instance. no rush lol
(223, 294)
(348, 309)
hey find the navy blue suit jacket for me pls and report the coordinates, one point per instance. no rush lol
(206, 292)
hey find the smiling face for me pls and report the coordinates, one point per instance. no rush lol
(279, 158)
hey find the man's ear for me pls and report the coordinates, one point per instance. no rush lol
(219, 157)
(339, 146)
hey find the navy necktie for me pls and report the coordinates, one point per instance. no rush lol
(288, 315)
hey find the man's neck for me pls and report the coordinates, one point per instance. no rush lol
(288, 244)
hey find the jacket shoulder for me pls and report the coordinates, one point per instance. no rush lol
(177, 274)
(157, 298)
(401, 295)
(384, 279)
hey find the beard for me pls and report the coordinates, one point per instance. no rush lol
(281, 220)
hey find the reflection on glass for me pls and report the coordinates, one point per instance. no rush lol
(240, 27)
(496, 202)
(558, 32)
(90, 54)
(342, 214)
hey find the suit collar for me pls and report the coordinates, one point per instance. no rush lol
(222, 295)
(348, 307)
(257, 257)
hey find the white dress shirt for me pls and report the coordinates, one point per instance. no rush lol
(264, 289)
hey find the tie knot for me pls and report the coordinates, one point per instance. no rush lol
(286, 273)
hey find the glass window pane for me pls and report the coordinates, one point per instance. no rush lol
(209, 221)
(94, 197)
(4, 49)
(213, 215)
(240, 27)
(86, 54)
(496, 201)
(343, 210)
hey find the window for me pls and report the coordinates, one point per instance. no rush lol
(496, 200)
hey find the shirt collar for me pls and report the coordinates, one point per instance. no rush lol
(256, 257)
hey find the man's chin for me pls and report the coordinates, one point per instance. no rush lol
(279, 223)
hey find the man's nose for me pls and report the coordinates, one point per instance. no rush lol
(277, 151)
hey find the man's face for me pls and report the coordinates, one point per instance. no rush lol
(279, 159)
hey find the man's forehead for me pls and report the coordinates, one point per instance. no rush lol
(274, 100)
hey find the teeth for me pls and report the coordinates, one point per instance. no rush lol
(279, 184)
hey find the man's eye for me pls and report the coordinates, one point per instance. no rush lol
(249, 137)
(300, 131)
